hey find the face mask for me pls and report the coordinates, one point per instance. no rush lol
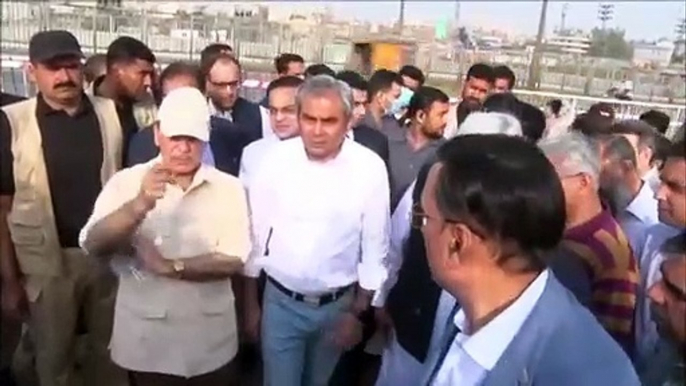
(401, 103)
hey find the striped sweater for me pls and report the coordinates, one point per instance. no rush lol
(614, 274)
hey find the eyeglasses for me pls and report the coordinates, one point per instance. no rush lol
(230, 85)
(419, 219)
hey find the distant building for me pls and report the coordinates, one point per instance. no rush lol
(653, 54)
(574, 44)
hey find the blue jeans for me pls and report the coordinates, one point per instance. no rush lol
(296, 345)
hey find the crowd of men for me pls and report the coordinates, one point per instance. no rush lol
(160, 229)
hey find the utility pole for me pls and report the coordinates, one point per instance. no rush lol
(563, 18)
(605, 13)
(457, 14)
(401, 17)
(534, 68)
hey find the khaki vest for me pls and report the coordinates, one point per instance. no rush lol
(31, 219)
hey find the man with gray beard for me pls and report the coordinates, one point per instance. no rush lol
(630, 198)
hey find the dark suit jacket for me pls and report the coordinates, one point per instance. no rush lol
(413, 301)
(373, 140)
(227, 139)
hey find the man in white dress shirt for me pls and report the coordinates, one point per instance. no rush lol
(320, 211)
(284, 123)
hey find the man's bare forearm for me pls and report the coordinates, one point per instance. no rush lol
(210, 267)
(113, 233)
(252, 297)
(9, 267)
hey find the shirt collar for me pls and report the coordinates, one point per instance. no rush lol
(43, 108)
(643, 205)
(218, 113)
(488, 344)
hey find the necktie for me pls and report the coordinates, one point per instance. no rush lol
(449, 335)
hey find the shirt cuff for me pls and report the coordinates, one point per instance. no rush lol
(251, 268)
(371, 278)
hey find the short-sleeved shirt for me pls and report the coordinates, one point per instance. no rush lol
(153, 314)
(73, 153)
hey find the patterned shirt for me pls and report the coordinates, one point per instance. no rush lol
(614, 274)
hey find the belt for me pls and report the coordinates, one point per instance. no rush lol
(313, 300)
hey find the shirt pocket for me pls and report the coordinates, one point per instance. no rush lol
(26, 224)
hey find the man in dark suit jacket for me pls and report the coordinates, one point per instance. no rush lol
(231, 131)
(373, 140)
(366, 136)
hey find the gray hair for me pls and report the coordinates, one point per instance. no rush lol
(490, 123)
(573, 153)
(324, 84)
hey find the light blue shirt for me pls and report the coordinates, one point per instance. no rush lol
(649, 268)
(207, 155)
(638, 216)
(472, 356)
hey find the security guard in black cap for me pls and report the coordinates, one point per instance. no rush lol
(56, 152)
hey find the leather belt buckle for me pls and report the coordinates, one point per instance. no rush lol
(313, 300)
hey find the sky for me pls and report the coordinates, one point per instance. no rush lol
(649, 20)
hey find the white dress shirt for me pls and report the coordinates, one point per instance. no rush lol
(471, 357)
(320, 226)
(267, 131)
(649, 268)
(638, 216)
(400, 231)
(253, 154)
(652, 177)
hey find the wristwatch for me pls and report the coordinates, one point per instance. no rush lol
(179, 267)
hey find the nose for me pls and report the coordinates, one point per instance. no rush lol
(661, 193)
(656, 293)
(318, 129)
(147, 81)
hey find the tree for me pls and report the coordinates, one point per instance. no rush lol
(609, 43)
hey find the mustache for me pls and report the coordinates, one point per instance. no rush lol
(67, 84)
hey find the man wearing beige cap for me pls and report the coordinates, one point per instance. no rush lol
(175, 230)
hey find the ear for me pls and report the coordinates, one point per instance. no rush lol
(585, 180)
(421, 116)
(30, 70)
(461, 239)
(156, 133)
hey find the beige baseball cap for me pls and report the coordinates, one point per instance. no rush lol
(184, 112)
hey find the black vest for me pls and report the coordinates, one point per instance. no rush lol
(413, 301)
(229, 138)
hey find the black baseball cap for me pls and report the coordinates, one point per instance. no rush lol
(47, 45)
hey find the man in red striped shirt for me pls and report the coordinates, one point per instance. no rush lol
(594, 235)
